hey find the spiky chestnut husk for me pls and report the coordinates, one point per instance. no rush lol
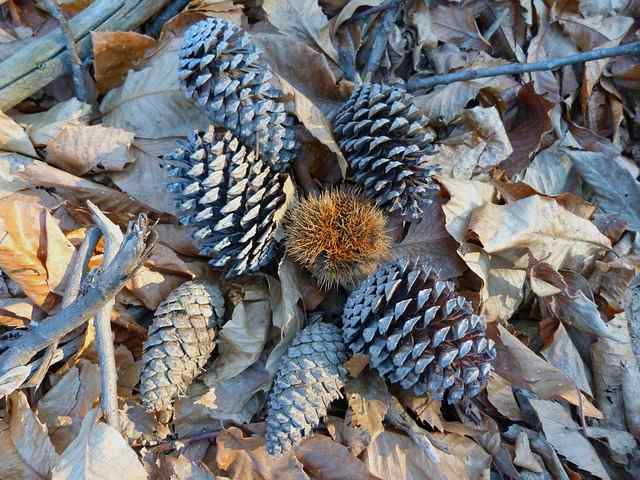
(339, 236)
(309, 377)
(230, 196)
(180, 341)
(387, 144)
(221, 69)
(418, 333)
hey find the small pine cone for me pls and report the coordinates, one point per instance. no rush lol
(418, 332)
(180, 342)
(387, 145)
(309, 377)
(221, 69)
(232, 197)
(339, 236)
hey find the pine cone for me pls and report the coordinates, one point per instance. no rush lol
(180, 342)
(309, 377)
(231, 197)
(221, 69)
(386, 142)
(418, 333)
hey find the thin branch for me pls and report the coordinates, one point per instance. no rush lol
(417, 83)
(104, 337)
(78, 71)
(78, 269)
(102, 287)
(184, 441)
(155, 26)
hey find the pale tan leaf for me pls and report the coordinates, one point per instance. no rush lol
(43, 127)
(500, 395)
(98, 453)
(595, 32)
(524, 456)
(302, 19)
(368, 399)
(150, 103)
(564, 434)
(81, 149)
(115, 53)
(326, 459)
(12, 380)
(13, 138)
(183, 468)
(451, 23)
(543, 227)
(243, 458)
(244, 336)
(151, 287)
(25, 449)
(33, 250)
(177, 237)
(427, 410)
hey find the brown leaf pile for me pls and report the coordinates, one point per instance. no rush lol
(537, 223)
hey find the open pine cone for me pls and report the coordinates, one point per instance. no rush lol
(232, 197)
(180, 342)
(418, 333)
(387, 145)
(309, 377)
(221, 69)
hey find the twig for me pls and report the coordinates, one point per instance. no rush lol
(174, 444)
(380, 42)
(78, 269)
(170, 11)
(102, 287)
(78, 71)
(104, 337)
(417, 83)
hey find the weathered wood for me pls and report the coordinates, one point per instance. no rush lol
(42, 61)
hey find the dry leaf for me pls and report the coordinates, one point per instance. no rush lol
(564, 434)
(457, 25)
(81, 149)
(427, 410)
(11, 380)
(177, 237)
(500, 395)
(323, 458)
(33, 250)
(524, 457)
(150, 103)
(550, 172)
(13, 138)
(368, 403)
(18, 312)
(244, 336)
(115, 53)
(98, 452)
(563, 354)
(45, 126)
(247, 459)
(304, 20)
(152, 287)
(182, 468)
(25, 449)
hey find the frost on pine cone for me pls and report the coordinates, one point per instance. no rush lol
(309, 377)
(180, 342)
(230, 196)
(221, 69)
(418, 333)
(387, 144)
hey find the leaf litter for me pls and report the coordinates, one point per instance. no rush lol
(536, 223)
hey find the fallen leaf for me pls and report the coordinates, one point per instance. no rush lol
(45, 126)
(115, 53)
(25, 449)
(302, 19)
(457, 25)
(243, 458)
(138, 425)
(524, 457)
(564, 355)
(616, 191)
(33, 250)
(182, 468)
(244, 336)
(66, 404)
(152, 287)
(13, 379)
(368, 399)
(19, 312)
(150, 103)
(81, 149)
(323, 458)
(99, 451)
(550, 172)
(501, 396)
(427, 410)
(564, 434)
(177, 237)
(13, 138)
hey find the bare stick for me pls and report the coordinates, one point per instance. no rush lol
(78, 71)
(184, 441)
(78, 269)
(416, 83)
(171, 10)
(102, 287)
(104, 337)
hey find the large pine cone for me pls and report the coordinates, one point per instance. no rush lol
(387, 145)
(180, 342)
(221, 69)
(230, 196)
(418, 332)
(309, 377)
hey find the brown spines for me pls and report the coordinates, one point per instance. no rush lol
(339, 236)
